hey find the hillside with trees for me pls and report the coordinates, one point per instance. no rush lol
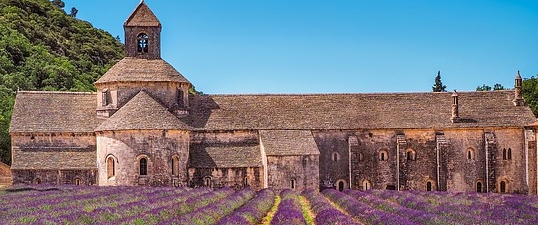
(44, 48)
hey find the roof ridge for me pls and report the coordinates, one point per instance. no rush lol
(356, 93)
(58, 92)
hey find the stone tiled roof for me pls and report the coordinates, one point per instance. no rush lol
(224, 155)
(288, 142)
(357, 111)
(54, 160)
(75, 112)
(40, 111)
(131, 69)
(142, 16)
(142, 112)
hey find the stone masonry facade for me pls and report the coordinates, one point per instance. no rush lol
(142, 127)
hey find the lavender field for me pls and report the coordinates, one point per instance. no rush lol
(150, 205)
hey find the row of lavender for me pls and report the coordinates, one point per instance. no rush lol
(396, 207)
(145, 205)
(132, 205)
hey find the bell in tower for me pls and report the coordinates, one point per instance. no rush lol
(143, 34)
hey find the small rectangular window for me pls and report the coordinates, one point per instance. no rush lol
(104, 97)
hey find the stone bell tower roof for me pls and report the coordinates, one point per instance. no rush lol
(142, 16)
(132, 69)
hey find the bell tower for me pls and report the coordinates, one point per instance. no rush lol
(143, 34)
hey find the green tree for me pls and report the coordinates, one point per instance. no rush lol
(483, 88)
(58, 3)
(438, 86)
(73, 12)
(530, 93)
(498, 87)
(43, 48)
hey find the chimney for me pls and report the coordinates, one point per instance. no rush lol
(518, 97)
(455, 108)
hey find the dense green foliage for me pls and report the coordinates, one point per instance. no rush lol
(496, 87)
(530, 93)
(43, 48)
(438, 85)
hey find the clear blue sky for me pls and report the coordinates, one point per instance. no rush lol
(310, 46)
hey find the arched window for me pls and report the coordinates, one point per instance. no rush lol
(175, 165)
(410, 154)
(505, 154)
(143, 166)
(207, 182)
(479, 187)
(37, 181)
(429, 186)
(77, 181)
(143, 43)
(509, 154)
(383, 155)
(110, 167)
(470, 154)
(292, 183)
(502, 187)
(335, 156)
(366, 185)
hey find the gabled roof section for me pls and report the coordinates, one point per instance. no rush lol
(54, 111)
(142, 112)
(142, 16)
(238, 155)
(132, 69)
(288, 142)
(426, 110)
(54, 160)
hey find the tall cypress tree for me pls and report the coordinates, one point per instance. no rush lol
(438, 86)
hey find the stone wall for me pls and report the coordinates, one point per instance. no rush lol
(56, 177)
(457, 172)
(54, 158)
(303, 170)
(128, 147)
(511, 170)
(237, 177)
(532, 163)
(227, 177)
(331, 171)
(415, 173)
(154, 42)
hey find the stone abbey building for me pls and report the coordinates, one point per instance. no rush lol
(142, 127)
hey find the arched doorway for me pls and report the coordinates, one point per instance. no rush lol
(502, 187)
(340, 185)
